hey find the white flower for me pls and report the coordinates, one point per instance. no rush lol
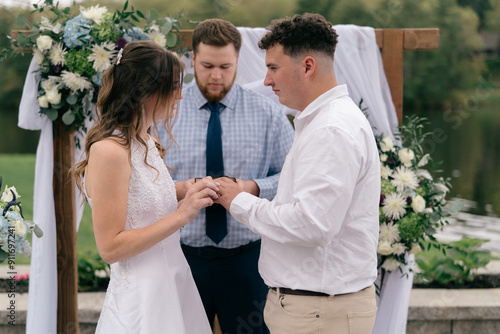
(385, 171)
(94, 13)
(441, 188)
(44, 42)
(158, 38)
(386, 144)
(7, 194)
(56, 54)
(75, 81)
(51, 83)
(43, 101)
(46, 25)
(101, 56)
(389, 232)
(20, 228)
(38, 55)
(53, 96)
(383, 157)
(394, 206)
(398, 248)
(424, 160)
(384, 248)
(154, 27)
(404, 177)
(406, 156)
(390, 264)
(422, 173)
(418, 204)
(415, 248)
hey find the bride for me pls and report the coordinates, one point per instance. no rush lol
(135, 212)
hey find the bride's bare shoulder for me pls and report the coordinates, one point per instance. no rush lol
(110, 149)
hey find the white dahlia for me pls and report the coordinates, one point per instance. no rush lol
(158, 38)
(398, 248)
(56, 54)
(389, 232)
(101, 56)
(391, 264)
(394, 206)
(94, 13)
(385, 171)
(404, 177)
(75, 81)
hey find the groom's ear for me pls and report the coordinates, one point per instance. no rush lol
(193, 56)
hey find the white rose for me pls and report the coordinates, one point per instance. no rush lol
(53, 96)
(20, 228)
(390, 264)
(383, 157)
(418, 204)
(415, 248)
(406, 156)
(386, 144)
(384, 248)
(44, 42)
(43, 101)
(7, 194)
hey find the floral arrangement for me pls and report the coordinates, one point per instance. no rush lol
(13, 228)
(73, 52)
(412, 202)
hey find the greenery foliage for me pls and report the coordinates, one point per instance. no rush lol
(455, 264)
(93, 272)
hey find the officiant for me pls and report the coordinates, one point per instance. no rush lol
(225, 129)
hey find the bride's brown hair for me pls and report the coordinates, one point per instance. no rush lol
(144, 69)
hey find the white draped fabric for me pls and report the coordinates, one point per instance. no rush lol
(357, 63)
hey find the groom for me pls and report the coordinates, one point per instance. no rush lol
(320, 232)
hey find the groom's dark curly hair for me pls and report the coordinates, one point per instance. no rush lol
(301, 34)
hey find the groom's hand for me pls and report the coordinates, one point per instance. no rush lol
(228, 190)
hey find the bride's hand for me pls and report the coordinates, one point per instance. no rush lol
(198, 196)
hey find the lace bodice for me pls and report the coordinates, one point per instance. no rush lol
(151, 191)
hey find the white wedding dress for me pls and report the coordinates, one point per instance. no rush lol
(154, 291)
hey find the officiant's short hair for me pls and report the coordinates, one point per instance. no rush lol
(301, 34)
(216, 32)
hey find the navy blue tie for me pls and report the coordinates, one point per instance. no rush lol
(216, 220)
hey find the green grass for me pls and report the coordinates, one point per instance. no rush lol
(19, 170)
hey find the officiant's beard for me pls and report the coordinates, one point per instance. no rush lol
(214, 97)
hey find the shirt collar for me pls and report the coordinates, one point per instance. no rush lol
(229, 101)
(334, 93)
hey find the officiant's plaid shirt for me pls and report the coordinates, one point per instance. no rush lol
(256, 137)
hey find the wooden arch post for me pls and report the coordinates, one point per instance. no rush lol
(392, 43)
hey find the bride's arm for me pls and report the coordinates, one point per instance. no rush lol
(107, 176)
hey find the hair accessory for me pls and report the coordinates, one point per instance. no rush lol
(119, 56)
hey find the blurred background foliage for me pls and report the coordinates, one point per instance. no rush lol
(433, 79)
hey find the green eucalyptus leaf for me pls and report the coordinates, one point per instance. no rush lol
(171, 40)
(38, 231)
(51, 114)
(72, 99)
(167, 27)
(22, 39)
(21, 20)
(188, 77)
(68, 117)
(152, 14)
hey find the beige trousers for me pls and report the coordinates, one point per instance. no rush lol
(345, 314)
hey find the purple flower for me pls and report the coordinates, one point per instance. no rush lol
(408, 200)
(56, 69)
(120, 43)
(382, 198)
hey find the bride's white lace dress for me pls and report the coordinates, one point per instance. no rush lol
(154, 291)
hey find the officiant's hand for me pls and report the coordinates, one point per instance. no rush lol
(228, 190)
(198, 196)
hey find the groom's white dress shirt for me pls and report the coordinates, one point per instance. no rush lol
(320, 232)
